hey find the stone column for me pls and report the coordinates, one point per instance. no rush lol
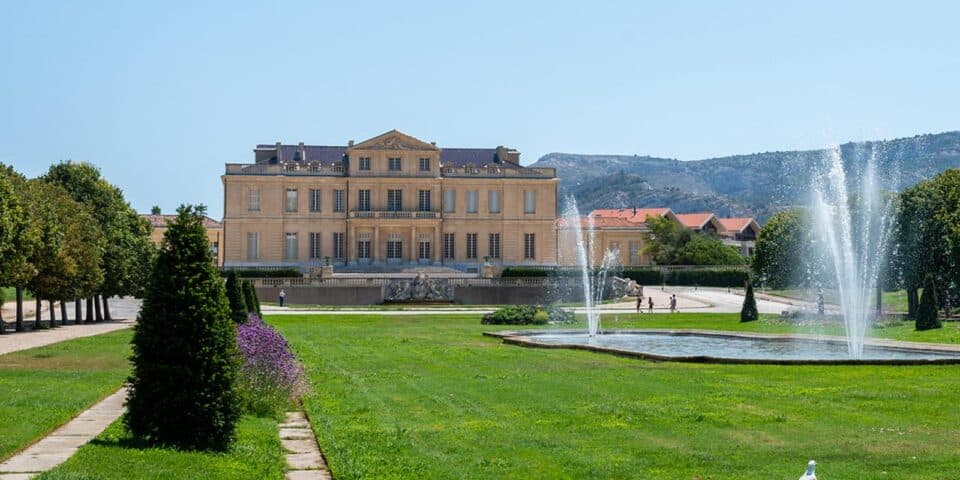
(437, 253)
(413, 244)
(375, 248)
(352, 245)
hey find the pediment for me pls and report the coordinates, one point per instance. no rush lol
(394, 140)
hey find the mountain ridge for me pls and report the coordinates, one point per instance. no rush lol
(756, 184)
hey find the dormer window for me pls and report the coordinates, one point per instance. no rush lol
(394, 164)
(338, 167)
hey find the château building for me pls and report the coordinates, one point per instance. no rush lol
(389, 201)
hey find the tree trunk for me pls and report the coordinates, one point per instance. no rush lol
(89, 318)
(37, 311)
(106, 309)
(77, 312)
(96, 307)
(63, 312)
(3, 326)
(53, 314)
(19, 309)
(879, 302)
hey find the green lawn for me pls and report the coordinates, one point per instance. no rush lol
(407, 397)
(895, 301)
(10, 294)
(42, 388)
(257, 454)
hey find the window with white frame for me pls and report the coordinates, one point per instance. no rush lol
(472, 246)
(253, 199)
(473, 199)
(448, 246)
(363, 246)
(364, 163)
(363, 200)
(394, 200)
(315, 245)
(493, 201)
(529, 201)
(253, 246)
(290, 247)
(315, 196)
(529, 246)
(423, 200)
(494, 247)
(424, 164)
(339, 245)
(449, 201)
(339, 203)
(291, 200)
(394, 246)
(393, 163)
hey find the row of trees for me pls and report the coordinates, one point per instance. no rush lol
(925, 240)
(66, 236)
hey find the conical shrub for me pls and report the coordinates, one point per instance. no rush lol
(185, 355)
(927, 317)
(235, 298)
(250, 297)
(749, 311)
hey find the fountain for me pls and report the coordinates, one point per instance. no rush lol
(571, 216)
(852, 238)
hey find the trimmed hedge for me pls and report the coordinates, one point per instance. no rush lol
(527, 315)
(713, 277)
(263, 273)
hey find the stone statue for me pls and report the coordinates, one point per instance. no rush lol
(626, 286)
(421, 288)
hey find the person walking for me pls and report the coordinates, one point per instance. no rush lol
(673, 303)
(650, 303)
(282, 296)
(639, 303)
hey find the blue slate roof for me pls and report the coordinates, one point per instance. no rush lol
(457, 157)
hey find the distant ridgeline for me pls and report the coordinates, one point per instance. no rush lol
(755, 185)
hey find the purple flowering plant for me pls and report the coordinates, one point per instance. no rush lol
(270, 377)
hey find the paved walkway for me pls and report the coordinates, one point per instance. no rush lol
(689, 299)
(304, 460)
(60, 445)
(123, 310)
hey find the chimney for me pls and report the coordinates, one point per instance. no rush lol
(303, 152)
(279, 153)
(634, 210)
(350, 143)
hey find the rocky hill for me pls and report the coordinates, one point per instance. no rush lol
(757, 184)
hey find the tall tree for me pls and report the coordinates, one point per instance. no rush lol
(783, 250)
(185, 354)
(748, 312)
(50, 258)
(126, 257)
(19, 236)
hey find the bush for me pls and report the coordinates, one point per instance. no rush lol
(713, 277)
(263, 273)
(749, 311)
(185, 357)
(927, 315)
(270, 378)
(235, 298)
(527, 315)
(250, 295)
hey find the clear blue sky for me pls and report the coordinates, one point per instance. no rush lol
(161, 95)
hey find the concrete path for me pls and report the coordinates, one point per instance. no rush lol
(123, 310)
(304, 460)
(60, 445)
(689, 299)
